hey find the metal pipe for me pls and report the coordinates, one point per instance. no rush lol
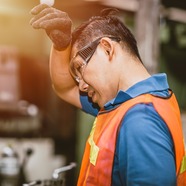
(56, 172)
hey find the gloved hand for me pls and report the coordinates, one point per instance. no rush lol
(56, 23)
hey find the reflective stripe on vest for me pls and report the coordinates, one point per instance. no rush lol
(98, 157)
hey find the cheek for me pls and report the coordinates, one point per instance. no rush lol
(96, 78)
(96, 70)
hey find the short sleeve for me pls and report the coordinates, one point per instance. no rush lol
(88, 106)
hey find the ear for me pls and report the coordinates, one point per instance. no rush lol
(108, 46)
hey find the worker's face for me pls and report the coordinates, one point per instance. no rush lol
(92, 69)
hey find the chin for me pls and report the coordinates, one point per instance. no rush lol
(101, 104)
(98, 103)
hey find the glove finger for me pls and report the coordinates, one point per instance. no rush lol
(38, 9)
(48, 13)
(57, 23)
(50, 22)
(44, 22)
(42, 14)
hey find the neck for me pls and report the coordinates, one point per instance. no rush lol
(132, 73)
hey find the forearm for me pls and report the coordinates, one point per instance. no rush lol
(57, 25)
(63, 83)
(58, 66)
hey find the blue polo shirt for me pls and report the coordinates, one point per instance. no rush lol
(144, 151)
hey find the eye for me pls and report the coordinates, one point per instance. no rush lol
(78, 66)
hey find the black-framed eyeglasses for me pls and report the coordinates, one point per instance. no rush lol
(86, 53)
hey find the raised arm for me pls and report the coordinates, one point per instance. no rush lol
(63, 83)
(57, 25)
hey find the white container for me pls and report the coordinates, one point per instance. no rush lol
(48, 2)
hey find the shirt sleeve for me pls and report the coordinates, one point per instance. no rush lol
(145, 151)
(88, 106)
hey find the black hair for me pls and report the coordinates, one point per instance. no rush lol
(105, 24)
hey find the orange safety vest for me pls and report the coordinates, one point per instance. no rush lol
(97, 163)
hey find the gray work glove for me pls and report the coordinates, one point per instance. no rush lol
(56, 23)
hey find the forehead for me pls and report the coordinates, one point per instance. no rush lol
(74, 50)
(80, 43)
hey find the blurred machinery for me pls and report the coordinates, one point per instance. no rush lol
(31, 113)
(18, 118)
(11, 167)
(16, 115)
(57, 179)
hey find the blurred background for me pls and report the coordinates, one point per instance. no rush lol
(38, 131)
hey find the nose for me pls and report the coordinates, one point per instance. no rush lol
(83, 86)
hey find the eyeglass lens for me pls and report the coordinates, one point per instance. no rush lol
(85, 53)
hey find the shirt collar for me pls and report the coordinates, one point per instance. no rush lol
(156, 84)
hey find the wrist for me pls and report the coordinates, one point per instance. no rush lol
(60, 39)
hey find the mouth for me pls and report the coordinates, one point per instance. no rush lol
(94, 96)
(91, 94)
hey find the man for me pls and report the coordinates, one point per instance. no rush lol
(137, 136)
